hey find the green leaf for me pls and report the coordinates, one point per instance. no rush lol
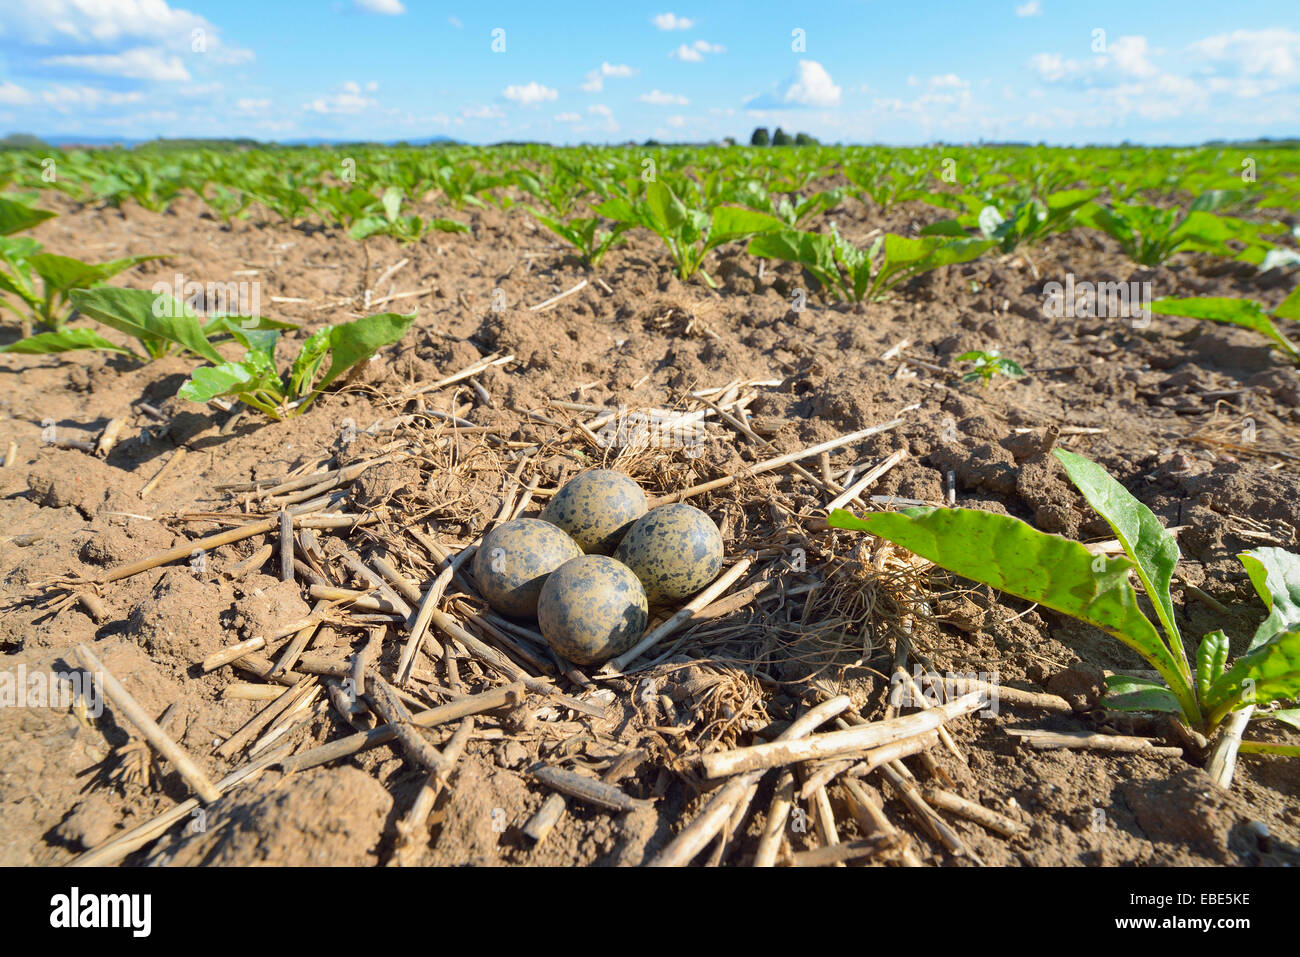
(208, 382)
(303, 372)
(1275, 573)
(945, 227)
(1211, 659)
(1013, 557)
(232, 325)
(1236, 312)
(15, 217)
(356, 341)
(1269, 673)
(1126, 693)
(443, 225)
(1290, 308)
(146, 315)
(65, 340)
(668, 212)
(1146, 542)
(733, 222)
(62, 273)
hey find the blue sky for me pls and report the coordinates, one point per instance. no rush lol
(864, 71)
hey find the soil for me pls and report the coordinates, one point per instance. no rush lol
(1200, 422)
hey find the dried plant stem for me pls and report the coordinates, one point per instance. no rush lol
(414, 825)
(862, 484)
(229, 537)
(588, 789)
(1050, 740)
(255, 725)
(119, 846)
(955, 804)
(769, 842)
(832, 744)
(776, 463)
(697, 835)
(167, 466)
(149, 729)
(867, 809)
(505, 696)
(1223, 759)
(232, 652)
(938, 828)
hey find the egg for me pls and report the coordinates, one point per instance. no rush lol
(591, 609)
(513, 561)
(674, 549)
(596, 508)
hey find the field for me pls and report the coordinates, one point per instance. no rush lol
(686, 316)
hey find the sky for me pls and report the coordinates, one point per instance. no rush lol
(853, 71)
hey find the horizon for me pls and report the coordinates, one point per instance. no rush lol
(387, 71)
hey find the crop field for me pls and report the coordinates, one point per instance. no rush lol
(1000, 444)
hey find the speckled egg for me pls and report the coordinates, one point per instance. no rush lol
(596, 508)
(591, 609)
(674, 549)
(514, 560)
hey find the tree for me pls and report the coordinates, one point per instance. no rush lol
(803, 139)
(760, 137)
(781, 138)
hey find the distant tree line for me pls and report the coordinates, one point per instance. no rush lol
(780, 138)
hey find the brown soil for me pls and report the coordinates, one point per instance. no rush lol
(1172, 401)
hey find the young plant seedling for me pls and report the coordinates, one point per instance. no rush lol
(689, 233)
(255, 380)
(159, 324)
(1063, 575)
(989, 364)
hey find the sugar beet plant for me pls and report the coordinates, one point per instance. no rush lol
(688, 232)
(1063, 575)
(849, 272)
(256, 380)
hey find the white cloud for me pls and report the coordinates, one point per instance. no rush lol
(660, 98)
(247, 105)
(65, 98)
(530, 94)
(455, 22)
(1274, 52)
(350, 99)
(11, 94)
(389, 8)
(595, 79)
(670, 21)
(608, 123)
(483, 112)
(695, 52)
(1130, 57)
(948, 81)
(676, 122)
(812, 86)
(141, 63)
(111, 24)
(1031, 9)
(567, 117)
